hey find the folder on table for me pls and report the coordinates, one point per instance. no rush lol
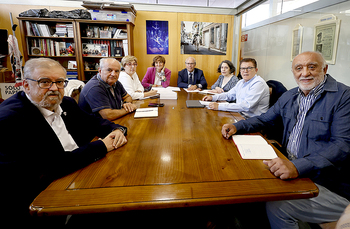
(193, 103)
(146, 112)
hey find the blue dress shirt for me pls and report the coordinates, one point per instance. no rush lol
(252, 97)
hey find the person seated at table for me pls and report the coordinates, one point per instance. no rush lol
(191, 77)
(44, 136)
(104, 95)
(316, 132)
(251, 93)
(130, 80)
(158, 75)
(227, 80)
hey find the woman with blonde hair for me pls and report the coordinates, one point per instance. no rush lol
(131, 81)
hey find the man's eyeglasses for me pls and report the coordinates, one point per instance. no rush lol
(248, 69)
(46, 83)
(190, 63)
(130, 64)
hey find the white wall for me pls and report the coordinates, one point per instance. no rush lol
(270, 45)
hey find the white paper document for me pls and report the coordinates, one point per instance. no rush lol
(253, 147)
(146, 112)
(206, 91)
(166, 93)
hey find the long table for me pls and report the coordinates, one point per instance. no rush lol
(178, 159)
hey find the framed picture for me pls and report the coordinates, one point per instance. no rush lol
(326, 37)
(157, 37)
(203, 38)
(118, 51)
(297, 38)
(36, 51)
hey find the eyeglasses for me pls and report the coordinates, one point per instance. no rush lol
(248, 68)
(130, 64)
(46, 83)
(190, 63)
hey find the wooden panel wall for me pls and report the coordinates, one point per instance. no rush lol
(176, 61)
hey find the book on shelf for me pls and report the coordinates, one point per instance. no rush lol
(61, 29)
(125, 47)
(70, 49)
(63, 49)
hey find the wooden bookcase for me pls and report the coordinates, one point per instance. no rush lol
(35, 46)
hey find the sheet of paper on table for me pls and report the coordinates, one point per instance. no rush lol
(207, 91)
(146, 112)
(253, 147)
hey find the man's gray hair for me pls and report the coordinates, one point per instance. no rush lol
(34, 63)
(104, 60)
(192, 58)
(324, 62)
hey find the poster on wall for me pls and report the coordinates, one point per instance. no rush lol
(157, 37)
(326, 37)
(203, 38)
(297, 38)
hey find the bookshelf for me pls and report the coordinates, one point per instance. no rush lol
(102, 39)
(77, 44)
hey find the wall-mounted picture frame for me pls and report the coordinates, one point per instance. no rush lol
(203, 38)
(157, 37)
(297, 40)
(326, 37)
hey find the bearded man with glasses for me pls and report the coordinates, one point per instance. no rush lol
(44, 136)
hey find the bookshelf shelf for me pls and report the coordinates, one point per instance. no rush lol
(82, 36)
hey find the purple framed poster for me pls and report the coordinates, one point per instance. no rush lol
(157, 37)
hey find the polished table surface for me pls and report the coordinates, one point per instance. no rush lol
(178, 159)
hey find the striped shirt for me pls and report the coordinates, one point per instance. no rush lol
(305, 102)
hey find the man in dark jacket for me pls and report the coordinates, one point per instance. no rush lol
(316, 137)
(191, 77)
(45, 136)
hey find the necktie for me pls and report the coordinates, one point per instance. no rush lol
(191, 79)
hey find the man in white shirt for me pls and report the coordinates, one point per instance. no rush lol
(251, 93)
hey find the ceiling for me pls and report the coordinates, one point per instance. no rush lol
(239, 6)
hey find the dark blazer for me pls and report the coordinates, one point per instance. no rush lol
(31, 155)
(182, 80)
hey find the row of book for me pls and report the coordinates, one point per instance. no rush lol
(105, 48)
(45, 30)
(49, 47)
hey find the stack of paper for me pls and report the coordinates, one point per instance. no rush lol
(253, 147)
(146, 112)
(166, 93)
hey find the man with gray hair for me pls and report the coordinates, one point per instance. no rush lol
(316, 139)
(191, 77)
(44, 136)
(104, 95)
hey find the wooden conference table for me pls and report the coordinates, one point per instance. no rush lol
(178, 159)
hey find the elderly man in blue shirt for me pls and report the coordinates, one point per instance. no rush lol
(104, 96)
(316, 136)
(251, 93)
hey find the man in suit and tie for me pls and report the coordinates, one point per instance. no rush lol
(191, 78)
